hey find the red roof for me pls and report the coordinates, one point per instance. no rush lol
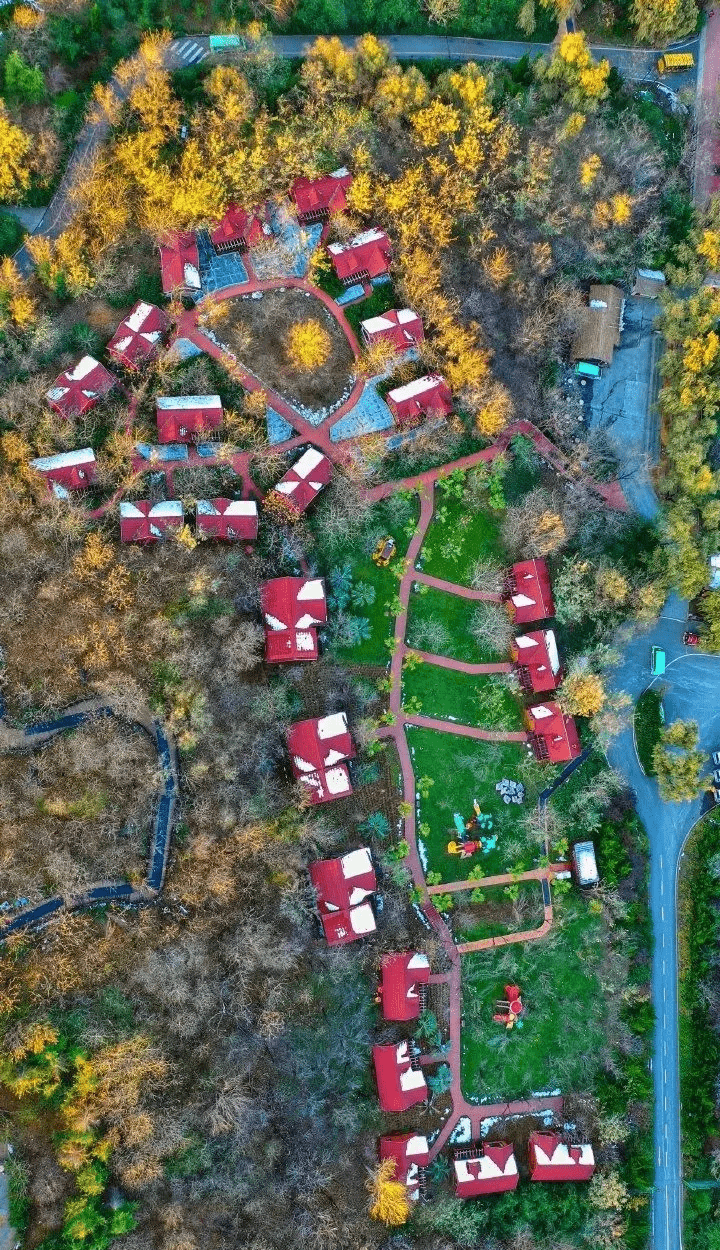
(552, 1159)
(491, 1169)
(400, 1086)
(144, 522)
(399, 326)
(231, 519)
(529, 592)
(427, 396)
(318, 749)
(181, 417)
(554, 735)
(305, 479)
(343, 892)
(410, 1152)
(239, 228)
(317, 197)
(179, 263)
(139, 337)
(292, 607)
(536, 656)
(368, 255)
(68, 470)
(77, 390)
(402, 973)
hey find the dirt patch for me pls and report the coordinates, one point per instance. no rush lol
(256, 330)
(76, 811)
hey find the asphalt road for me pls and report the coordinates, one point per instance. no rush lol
(691, 687)
(621, 403)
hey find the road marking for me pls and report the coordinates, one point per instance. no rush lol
(664, 967)
(180, 48)
(662, 913)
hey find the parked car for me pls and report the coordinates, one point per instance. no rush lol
(691, 639)
(384, 552)
(716, 758)
(657, 661)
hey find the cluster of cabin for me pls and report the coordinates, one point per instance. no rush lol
(529, 600)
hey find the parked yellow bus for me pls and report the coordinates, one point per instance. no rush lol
(675, 62)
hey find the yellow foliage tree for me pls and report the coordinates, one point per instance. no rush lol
(389, 1199)
(15, 146)
(574, 74)
(659, 22)
(308, 345)
(582, 693)
(589, 169)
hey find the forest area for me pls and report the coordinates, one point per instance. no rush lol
(198, 1072)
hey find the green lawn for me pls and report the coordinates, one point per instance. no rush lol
(560, 1044)
(498, 913)
(462, 770)
(457, 538)
(442, 623)
(648, 723)
(481, 700)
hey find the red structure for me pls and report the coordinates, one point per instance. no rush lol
(399, 326)
(400, 1079)
(78, 390)
(510, 1007)
(528, 592)
(366, 256)
(343, 891)
(304, 480)
(143, 522)
(537, 661)
(181, 418)
(316, 198)
(411, 1154)
(139, 337)
(429, 396)
(238, 230)
(402, 990)
(292, 608)
(180, 263)
(488, 1169)
(231, 519)
(552, 1159)
(318, 751)
(553, 735)
(69, 470)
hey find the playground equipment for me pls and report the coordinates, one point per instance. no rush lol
(465, 846)
(509, 1009)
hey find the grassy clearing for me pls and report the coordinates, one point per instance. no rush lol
(443, 623)
(486, 701)
(500, 913)
(566, 794)
(457, 538)
(648, 723)
(561, 1039)
(462, 770)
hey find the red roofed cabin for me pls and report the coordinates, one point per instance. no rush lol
(318, 750)
(304, 480)
(537, 661)
(237, 231)
(528, 592)
(552, 1159)
(403, 988)
(399, 326)
(411, 1154)
(316, 198)
(68, 470)
(139, 337)
(78, 390)
(553, 735)
(180, 263)
(182, 418)
(230, 519)
(292, 607)
(343, 891)
(487, 1169)
(366, 256)
(429, 396)
(144, 522)
(400, 1079)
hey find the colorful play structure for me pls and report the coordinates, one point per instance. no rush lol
(466, 846)
(509, 1009)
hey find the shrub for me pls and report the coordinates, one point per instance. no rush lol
(308, 345)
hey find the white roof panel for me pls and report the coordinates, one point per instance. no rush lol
(332, 726)
(138, 317)
(64, 459)
(356, 863)
(362, 919)
(170, 403)
(418, 387)
(308, 461)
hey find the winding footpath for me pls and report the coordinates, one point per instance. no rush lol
(36, 736)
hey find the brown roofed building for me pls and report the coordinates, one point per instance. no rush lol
(599, 334)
